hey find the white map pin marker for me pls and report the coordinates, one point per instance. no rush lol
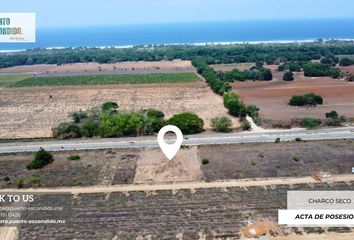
(170, 150)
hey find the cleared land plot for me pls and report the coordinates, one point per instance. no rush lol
(8, 79)
(270, 160)
(96, 68)
(349, 69)
(213, 213)
(104, 167)
(108, 79)
(272, 97)
(232, 66)
(152, 167)
(31, 113)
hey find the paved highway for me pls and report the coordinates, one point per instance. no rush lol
(199, 139)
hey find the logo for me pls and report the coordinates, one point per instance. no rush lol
(17, 27)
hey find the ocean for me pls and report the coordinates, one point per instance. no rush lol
(190, 33)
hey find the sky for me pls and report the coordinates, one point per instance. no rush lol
(65, 13)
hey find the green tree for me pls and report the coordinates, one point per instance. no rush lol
(288, 76)
(188, 122)
(109, 107)
(221, 124)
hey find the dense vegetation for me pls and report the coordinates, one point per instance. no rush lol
(109, 121)
(346, 62)
(108, 79)
(211, 77)
(309, 99)
(255, 73)
(188, 122)
(291, 66)
(321, 70)
(275, 53)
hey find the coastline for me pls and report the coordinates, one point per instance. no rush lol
(223, 43)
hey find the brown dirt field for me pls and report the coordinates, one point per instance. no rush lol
(349, 69)
(270, 160)
(31, 113)
(93, 68)
(272, 97)
(153, 167)
(101, 167)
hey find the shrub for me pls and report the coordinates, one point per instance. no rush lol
(309, 99)
(153, 113)
(74, 157)
(109, 107)
(277, 140)
(288, 76)
(332, 114)
(311, 122)
(41, 159)
(205, 161)
(221, 124)
(89, 128)
(68, 130)
(78, 116)
(188, 122)
(298, 140)
(245, 125)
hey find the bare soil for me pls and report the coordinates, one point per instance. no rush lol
(101, 167)
(96, 68)
(270, 160)
(31, 113)
(272, 97)
(153, 167)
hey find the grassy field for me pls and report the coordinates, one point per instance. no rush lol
(10, 79)
(108, 79)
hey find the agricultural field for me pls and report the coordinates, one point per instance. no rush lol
(270, 160)
(9, 79)
(33, 112)
(49, 70)
(214, 213)
(152, 78)
(272, 97)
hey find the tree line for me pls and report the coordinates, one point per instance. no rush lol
(108, 121)
(269, 53)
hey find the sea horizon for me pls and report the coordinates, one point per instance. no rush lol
(197, 33)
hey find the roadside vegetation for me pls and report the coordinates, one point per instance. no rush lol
(42, 159)
(221, 124)
(109, 121)
(108, 79)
